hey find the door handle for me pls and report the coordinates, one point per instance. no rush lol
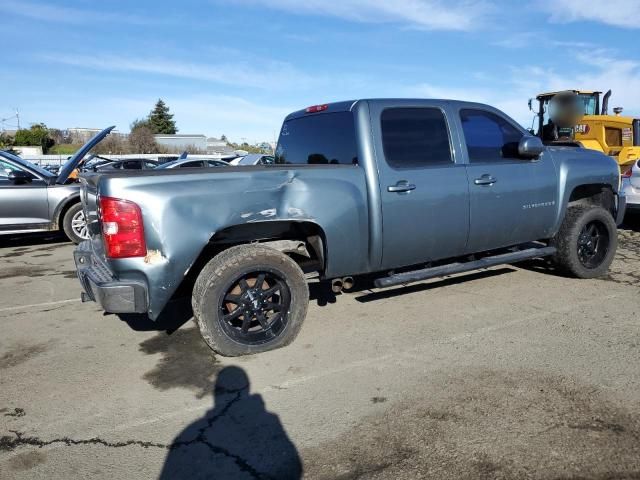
(485, 179)
(401, 187)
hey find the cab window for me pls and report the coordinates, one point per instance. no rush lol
(489, 137)
(415, 137)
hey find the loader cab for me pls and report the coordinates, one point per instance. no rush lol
(546, 129)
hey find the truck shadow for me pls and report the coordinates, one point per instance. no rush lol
(175, 315)
(631, 222)
(321, 292)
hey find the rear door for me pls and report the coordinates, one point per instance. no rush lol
(22, 205)
(512, 199)
(423, 188)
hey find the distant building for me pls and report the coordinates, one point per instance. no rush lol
(83, 135)
(183, 141)
(218, 146)
(24, 151)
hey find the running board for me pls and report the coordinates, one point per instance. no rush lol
(460, 267)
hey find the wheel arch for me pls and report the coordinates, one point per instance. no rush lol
(599, 194)
(62, 208)
(278, 234)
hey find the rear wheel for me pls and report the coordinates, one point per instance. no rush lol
(250, 299)
(74, 224)
(586, 242)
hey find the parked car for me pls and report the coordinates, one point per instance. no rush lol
(631, 187)
(399, 190)
(194, 163)
(254, 159)
(32, 199)
(127, 164)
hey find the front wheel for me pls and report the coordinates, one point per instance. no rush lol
(74, 224)
(250, 299)
(587, 242)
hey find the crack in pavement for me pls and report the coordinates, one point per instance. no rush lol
(9, 443)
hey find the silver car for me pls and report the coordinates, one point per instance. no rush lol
(631, 187)
(33, 199)
(254, 159)
(193, 163)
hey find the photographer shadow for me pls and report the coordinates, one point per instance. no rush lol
(238, 438)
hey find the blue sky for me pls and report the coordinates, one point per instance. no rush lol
(238, 66)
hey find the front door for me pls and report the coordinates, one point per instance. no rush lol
(23, 206)
(512, 199)
(424, 192)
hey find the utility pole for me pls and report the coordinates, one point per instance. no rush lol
(18, 117)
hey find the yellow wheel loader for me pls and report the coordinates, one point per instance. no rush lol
(576, 117)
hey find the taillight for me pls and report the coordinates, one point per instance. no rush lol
(317, 108)
(628, 172)
(122, 228)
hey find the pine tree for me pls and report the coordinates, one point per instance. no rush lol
(160, 120)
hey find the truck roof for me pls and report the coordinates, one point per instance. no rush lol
(347, 105)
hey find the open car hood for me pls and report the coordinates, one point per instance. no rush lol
(75, 160)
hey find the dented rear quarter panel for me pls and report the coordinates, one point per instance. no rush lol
(183, 211)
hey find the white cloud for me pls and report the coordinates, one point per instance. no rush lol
(510, 90)
(272, 75)
(619, 13)
(424, 14)
(59, 14)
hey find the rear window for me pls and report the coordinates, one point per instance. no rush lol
(324, 139)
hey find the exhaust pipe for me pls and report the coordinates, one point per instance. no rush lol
(340, 284)
(605, 103)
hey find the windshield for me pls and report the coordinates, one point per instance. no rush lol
(28, 165)
(589, 103)
(168, 164)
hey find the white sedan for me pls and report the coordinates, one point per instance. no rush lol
(194, 163)
(631, 187)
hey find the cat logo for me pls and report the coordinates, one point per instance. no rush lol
(582, 128)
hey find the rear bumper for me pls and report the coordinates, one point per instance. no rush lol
(100, 284)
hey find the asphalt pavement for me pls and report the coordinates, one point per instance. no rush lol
(509, 373)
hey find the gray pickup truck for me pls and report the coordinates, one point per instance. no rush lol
(399, 190)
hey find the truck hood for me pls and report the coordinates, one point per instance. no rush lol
(75, 160)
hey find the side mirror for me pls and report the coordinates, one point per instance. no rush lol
(531, 104)
(530, 147)
(18, 176)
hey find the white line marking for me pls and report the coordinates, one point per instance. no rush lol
(37, 305)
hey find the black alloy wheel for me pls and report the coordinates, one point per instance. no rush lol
(593, 244)
(255, 307)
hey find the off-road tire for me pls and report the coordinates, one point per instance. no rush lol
(214, 279)
(67, 223)
(566, 241)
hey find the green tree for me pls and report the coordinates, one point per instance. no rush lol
(141, 138)
(36, 136)
(160, 120)
(6, 141)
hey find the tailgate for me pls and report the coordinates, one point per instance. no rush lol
(89, 198)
